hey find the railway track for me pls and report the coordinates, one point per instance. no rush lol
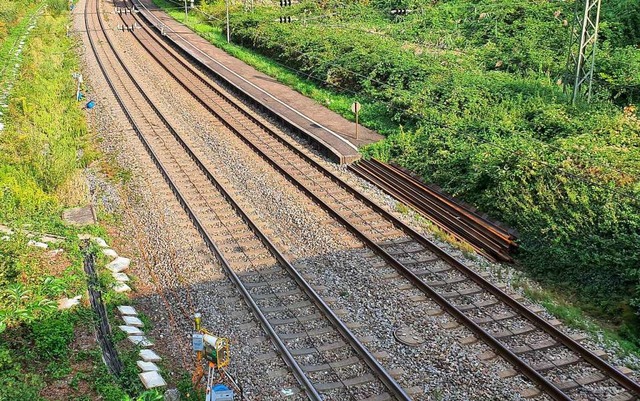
(554, 361)
(487, 238)
(328, 361)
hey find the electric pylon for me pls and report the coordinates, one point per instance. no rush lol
(582, 51)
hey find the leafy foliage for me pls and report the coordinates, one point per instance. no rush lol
(474, 93)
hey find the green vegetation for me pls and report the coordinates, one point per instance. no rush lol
(46, 353)
(470, 96)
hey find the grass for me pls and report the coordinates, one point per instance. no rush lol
(572, 314)
(339, 103)
(43, 149)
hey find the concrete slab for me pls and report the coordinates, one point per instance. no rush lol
(132, 321)
(121, 287)
(80, 216)
(121, 277)
(149, 356)
(50, 239)
(152, 379)
(110, 253)
(131, 330)
(66, 303)
(127, 310)
(101, 243)
(119, 264)
(147, 366)
(37, 244)
(142, 341)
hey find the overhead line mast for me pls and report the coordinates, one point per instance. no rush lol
(582, 50)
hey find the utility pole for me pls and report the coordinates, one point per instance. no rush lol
(582, 51)
(185, 12)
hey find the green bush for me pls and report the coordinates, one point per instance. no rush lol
(474, 90)
(53, 336)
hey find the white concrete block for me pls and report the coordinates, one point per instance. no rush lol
(110, 253)
(121, 277)
(132, 321)
(152, 379)
(149, 356)
(147, 366)
(131, 330)
(127, 310)
(37, 244)
(50, 240)
(142, 341)
(121, 287)
(119, 264)
(102, 243)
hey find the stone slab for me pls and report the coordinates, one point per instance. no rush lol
(142, 341)
(38, 244)
(132, 321)
(110, 253)
(152, 379)
(131, 330)
(101, 243)
(147, 366)
(127, 310)
(149, 356)
(120, 277)
(80, 216)
(121, 287)
(119, 264)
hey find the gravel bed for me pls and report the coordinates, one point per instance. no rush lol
(172, 266)
(335, 262)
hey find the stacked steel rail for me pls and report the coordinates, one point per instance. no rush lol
(487, 238)
(178, 157)
(368, 222)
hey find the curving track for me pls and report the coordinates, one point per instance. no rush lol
(321, 352)
(555, 362)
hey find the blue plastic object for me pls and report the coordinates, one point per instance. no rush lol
(91, 104)
(220, 387)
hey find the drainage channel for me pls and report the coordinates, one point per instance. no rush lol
(103, 330)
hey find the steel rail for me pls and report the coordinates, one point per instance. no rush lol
(364, 353)
(286, 355)
(490, 229)
(452, 204)
(455, 223)
(539, 322)
(240, 77)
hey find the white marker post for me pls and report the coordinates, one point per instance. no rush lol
(355, 107)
